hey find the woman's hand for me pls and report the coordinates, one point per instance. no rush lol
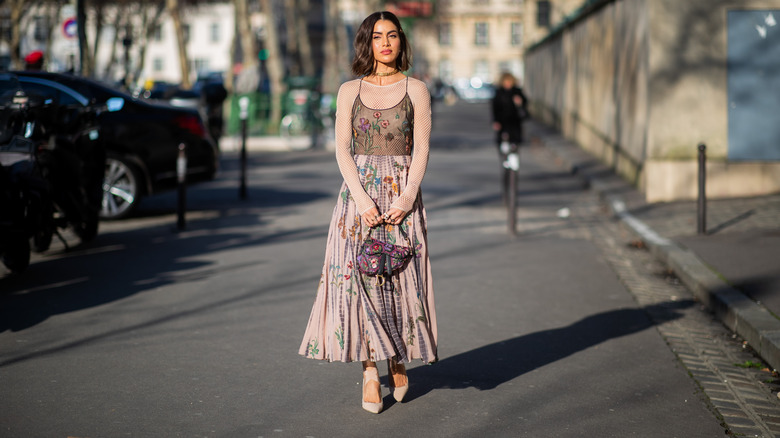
(372, 217)
(394, 216)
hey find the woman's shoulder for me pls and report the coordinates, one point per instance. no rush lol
(418, 89)
(350, 86)
(348, 91)
(417, 85)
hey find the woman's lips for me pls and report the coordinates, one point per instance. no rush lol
(386, 52)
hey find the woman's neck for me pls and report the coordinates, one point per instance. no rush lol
(384, 74)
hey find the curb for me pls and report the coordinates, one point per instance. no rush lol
(750, 320)
(230, 143)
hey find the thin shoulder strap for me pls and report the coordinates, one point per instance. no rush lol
(407, 84)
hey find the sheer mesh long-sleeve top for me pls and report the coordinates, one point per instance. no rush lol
(390, 119)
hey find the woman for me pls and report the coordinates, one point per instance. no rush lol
(509, 110)
(383, 126)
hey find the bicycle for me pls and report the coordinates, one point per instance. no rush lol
(293, 125)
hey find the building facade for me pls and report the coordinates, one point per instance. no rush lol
(465, 40)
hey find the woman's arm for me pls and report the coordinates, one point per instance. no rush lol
(344, 101)
(421, 101)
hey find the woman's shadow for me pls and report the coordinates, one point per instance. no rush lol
(514, 357)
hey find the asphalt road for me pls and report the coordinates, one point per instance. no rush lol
(149, 332)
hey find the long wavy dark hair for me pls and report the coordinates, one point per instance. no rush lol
(363, 63)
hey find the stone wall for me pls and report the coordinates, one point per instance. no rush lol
(639, 84)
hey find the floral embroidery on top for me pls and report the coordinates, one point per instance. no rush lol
(382, 132)
(364, 124)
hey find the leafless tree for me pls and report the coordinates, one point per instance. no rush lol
(274, 65)
(291, 38)
(174, 11)
(17, 11)
(304, 44)
(248, 77)
(331, 75)
(151, 15)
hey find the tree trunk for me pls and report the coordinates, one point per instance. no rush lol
(304, 45)
(17, 10)
(229, 79)
(85, 61)
(174, 12)
(99, 16)
(331, 76)
(274, 66)
(342, 46)
(291, 39)
(117, 22)
(54, 21)
(249, 76)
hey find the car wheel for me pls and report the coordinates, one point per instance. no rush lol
(121, 189)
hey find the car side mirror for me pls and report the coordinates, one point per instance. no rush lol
(114, 104)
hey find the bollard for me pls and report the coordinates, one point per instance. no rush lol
(243, 104)
(181, 178)
(512, 165)
(701, 225)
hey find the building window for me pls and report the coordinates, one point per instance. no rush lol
(158, 64)
(41, 29)
(445, 34)
(543, 13)
(481, 34)
(185, 29)
(517, 34)
(215, 32)
(157, 33)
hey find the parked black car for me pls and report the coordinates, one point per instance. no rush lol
(141, 139)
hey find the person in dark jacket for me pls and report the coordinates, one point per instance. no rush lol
(509, 110)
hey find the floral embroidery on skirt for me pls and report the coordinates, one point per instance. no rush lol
(353, 318)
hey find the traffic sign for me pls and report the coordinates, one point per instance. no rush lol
(70, 27)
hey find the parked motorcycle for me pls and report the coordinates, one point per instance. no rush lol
(25, 205)
(51, 176)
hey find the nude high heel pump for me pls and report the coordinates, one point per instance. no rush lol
(399, 381)
(372, 390)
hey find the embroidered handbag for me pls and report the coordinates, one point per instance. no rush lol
(382, 259)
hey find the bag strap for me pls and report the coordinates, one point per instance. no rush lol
(403, 232)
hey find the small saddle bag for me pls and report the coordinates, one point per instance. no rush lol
(381, 259)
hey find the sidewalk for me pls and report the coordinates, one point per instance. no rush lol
(734, 269)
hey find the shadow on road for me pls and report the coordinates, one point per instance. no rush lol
(487, 367)
(123, 263)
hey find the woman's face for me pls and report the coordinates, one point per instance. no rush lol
(386, 42)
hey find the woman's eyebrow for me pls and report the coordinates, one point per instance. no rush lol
(388, 32)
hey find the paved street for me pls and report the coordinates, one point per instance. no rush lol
(566, 330)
